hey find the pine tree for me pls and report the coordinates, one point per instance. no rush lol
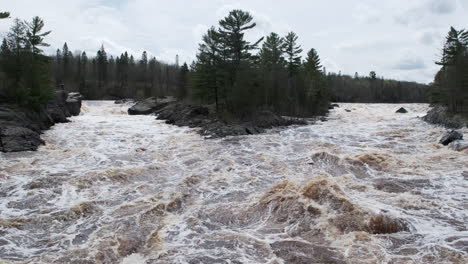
(4, 15)
(182, 86)
(16, 39)
(39, 80)
(271, 54)
(232, 30)
(293, 53)
(101, 60)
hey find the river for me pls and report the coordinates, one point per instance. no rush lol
(368, 186)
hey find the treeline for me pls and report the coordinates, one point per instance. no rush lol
(104, 76)
(450, 87)
(239, 77)
(24, 70)
(372, 89)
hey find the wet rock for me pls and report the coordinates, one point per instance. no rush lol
(347, 110)
(73, 103)
(459, 145)
(20, 127)
(439, 115)
(451, 136)
(181, 114)
(335, 105)
(149, 105)
(16, 138)
(402, 111)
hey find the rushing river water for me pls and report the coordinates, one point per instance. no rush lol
(368, 186)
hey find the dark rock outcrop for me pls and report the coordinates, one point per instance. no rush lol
(20, 128)
(182, 114)
(402, 111)
(451, 136)
(73, 103)
(150, 105)
(439, 115)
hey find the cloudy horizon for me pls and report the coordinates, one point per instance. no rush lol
(395, 38)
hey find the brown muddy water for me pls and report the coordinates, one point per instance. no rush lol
(368, 186)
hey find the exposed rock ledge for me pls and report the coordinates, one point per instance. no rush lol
(20, 128)
(439, 115)
(182, 114)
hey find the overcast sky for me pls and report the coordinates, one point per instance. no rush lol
(398, 39)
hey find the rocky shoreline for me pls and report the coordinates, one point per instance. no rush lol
(439, 115)
(183, 114)
(20, 128)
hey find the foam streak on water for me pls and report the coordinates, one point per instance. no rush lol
(368, 186)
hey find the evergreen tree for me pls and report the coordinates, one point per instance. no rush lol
(39, 80)
(4, 15)
(293, 53)
(101, 60)
(182, 85)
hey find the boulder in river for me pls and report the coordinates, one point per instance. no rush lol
(73, 103)
(451, 136)
(149, 105)
(402, 111)
(17, 138)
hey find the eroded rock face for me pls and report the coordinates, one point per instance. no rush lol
(451, 136)
(20, 128)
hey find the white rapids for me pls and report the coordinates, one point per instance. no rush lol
(368, 186)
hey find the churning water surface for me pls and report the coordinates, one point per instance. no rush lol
(368, 186)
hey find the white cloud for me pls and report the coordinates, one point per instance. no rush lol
(351, 36)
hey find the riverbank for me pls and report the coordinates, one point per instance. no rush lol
(20, 128)
(209, 124)
(439, 115)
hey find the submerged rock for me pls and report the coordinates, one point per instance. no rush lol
(459, 145)
(402, 111)
(451, 136)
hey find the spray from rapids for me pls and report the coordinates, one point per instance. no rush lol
(368, 186)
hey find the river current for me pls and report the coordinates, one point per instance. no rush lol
(367, 186)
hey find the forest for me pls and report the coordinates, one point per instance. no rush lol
(450, 87)
(236, 75)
